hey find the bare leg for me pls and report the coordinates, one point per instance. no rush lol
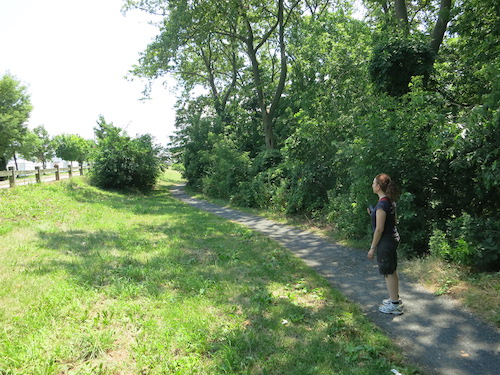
(392, 283)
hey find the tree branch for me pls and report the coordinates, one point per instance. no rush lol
(437, 35)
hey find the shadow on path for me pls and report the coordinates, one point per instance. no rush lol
(437, 333)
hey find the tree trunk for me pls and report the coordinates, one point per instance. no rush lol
(3, 166)
(269, 112)
(401, 16)
(283, 67)
(440, 27)
(267, 120)
(15, 160)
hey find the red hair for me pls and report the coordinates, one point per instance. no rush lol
(388, 186)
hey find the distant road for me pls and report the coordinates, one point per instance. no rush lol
(31, 180)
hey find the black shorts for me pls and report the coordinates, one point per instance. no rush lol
(387, 256)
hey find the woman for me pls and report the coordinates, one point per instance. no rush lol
(386, 240)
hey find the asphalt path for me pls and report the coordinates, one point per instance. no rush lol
(5, 184)
(436, 333)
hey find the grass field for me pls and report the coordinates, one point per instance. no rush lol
(99, 282)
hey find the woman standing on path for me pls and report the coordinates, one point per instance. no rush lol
(386, 240)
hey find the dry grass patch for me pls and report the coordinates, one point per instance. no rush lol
(478, 291)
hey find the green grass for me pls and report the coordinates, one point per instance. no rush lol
(100, 282)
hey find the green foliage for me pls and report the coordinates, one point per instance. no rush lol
(15, 108)
(469, 183)
(71, 147)
(121, 162)
(347, 215)
(469, 65)
(474, 159)
(309, 154)
(469, 241)
(228, 167)
(410, 226)
(396, 61)
(37, 145)
(192, 143)
(360, 98)
(263, 188)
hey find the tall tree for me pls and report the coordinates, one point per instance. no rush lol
(15, 109)
(410, 37)
(430, 16)
(71, 147)
(37, 145)
(191, 52)
(226, 31)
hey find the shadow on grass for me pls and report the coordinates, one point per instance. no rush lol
(285, 319)
(148, 203)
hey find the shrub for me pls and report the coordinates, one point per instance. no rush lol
(348, 216)
(469, 241)
(228, 168)
(410, 226)
(309, 162)
(121, 162)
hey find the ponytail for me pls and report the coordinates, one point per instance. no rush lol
(388, 186)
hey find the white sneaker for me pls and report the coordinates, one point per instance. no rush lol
(392, 308)
(388, 301)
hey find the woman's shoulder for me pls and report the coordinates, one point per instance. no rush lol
(385, 203)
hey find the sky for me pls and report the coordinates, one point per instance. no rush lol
(73, 56)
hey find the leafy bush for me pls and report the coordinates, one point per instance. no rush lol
(348, 216)
(309, 158)
(469, 241)
(409, 226)
(121, 162)
(259, 187)
(178, 167)
(228, 167)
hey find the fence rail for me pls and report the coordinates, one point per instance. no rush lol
(38, 175)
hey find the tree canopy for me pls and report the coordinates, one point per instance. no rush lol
(15, 109)
(37, 145)
(303, 104)
(72, 147)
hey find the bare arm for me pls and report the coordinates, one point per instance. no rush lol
(377, 234)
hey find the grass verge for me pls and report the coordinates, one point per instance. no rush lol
(100, 282)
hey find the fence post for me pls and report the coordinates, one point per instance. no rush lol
(70, 171)
(38, 175)
(58, 176)
(12, 177)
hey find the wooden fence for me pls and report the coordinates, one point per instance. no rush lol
(39, 175)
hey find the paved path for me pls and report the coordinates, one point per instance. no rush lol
(5, 184)
(436, 333)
